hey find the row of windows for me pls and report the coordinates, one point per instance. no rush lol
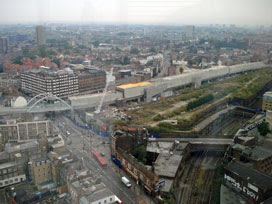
(129, 166)
(48, 167)
(11, 181)
(105, 201)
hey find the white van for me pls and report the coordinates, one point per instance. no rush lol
(126, 182)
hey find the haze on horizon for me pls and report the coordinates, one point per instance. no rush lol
(239, 12)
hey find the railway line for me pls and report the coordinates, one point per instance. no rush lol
(197, 178)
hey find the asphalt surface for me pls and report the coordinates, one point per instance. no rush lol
(83, 142)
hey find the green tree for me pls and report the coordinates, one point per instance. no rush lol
(134, 50)
(263, 128)
(152, 49)
(126, 60)
(140, 153)
(56, 61)
(42, 51)
(96, 43)
(18, 60)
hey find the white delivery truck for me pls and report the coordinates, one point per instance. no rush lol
(126, 181)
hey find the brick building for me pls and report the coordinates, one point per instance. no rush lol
(41, 170)
(251, 184)
(91, 80)
(260, 157)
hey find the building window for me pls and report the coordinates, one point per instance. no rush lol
(105, 201)
(135, 171)
(110, 199)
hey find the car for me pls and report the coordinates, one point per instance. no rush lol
(126, 182)
(68, 133)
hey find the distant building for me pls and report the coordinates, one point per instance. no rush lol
(40, 32)
(4, 45)
(61, 83)
(190, 31)
(267, 101)
(14, 131)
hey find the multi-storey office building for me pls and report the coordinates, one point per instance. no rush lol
(91, 80)
(61, 83)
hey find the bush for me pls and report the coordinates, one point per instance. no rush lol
(140, 153)
(158, 117)
(205, 99)
(263, 128)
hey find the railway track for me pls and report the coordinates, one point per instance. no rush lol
(198, 177)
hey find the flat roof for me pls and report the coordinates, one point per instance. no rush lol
(127, 86)
(7, 165)
(250, 175)
(22, 147)
(167, 164)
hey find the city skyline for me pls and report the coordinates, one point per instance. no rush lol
(243, 12)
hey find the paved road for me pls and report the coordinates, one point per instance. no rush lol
(82, 145)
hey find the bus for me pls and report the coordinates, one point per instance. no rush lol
(99, 159)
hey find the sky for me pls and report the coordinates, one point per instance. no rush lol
(197, 12)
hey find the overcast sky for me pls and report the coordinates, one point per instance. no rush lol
(239, 12)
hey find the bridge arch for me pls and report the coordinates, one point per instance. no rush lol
(36, 100)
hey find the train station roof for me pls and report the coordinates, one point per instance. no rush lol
(128, 86)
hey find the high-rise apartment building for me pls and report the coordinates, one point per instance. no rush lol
(40, 32)
(190, 31)
(4, 45)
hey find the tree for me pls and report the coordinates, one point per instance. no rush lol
(134, 50)
(56, 61)
(152, 49)
(42, 51)
(96, 43)
(263, 128)
(126, 60)
(18, 60)
(140, 153)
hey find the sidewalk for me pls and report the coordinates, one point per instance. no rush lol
(142, 197)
